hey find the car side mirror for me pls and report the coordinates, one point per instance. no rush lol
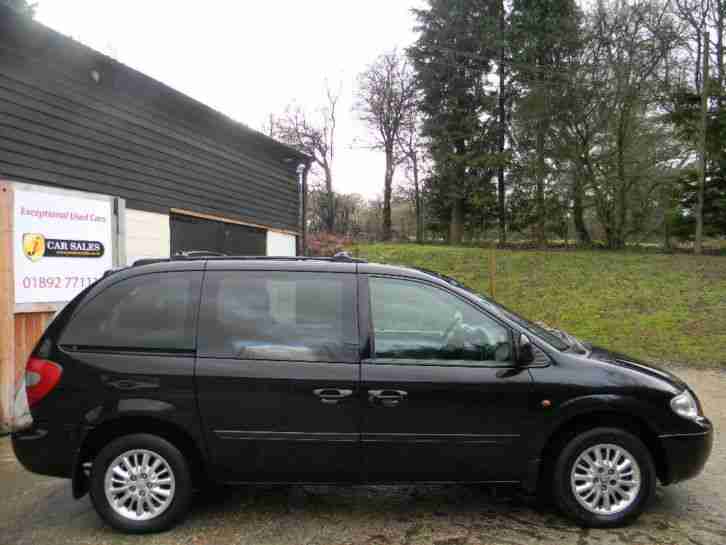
(525, 350)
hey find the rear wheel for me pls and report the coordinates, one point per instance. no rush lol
(604, 477)
(141, 483)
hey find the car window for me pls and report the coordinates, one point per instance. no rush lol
(418, 324)
(148, 312)
(538, 330)
(262, 315)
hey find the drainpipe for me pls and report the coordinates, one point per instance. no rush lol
(303, 170)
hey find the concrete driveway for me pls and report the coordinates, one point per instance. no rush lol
(40, 510)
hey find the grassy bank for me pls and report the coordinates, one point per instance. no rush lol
(669, 308)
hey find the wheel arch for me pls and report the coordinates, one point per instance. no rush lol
(106, 432)
(582, 422)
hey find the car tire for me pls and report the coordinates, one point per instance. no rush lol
(149, 479)
(604, 478)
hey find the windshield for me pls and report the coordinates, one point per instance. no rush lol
(544, 333)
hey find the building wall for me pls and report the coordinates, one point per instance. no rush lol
(147, 235)
(74, 118)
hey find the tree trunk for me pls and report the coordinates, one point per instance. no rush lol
(329, 218)
(422, 207)
(621, 196)
(667, 245)
(417, 199)
(456, 228)
(719, 51)
(500, 170)
(611, 238)
(387, 190)
(541, 212)
(697, 74)
(621, 218)
(698, 241)
(578, 214)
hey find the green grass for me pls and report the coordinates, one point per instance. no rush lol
(665, 308)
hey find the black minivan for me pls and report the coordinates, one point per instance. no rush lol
(174, 373)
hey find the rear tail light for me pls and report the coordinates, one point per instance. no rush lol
(41, 376)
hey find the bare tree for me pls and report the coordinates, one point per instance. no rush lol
(314, 135)
(633, 42)
(703, 33)
(385, 97)
(695, 13)
(411, 151)
(718, 17)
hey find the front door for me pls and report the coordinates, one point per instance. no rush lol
(278, 375)
(442, 398)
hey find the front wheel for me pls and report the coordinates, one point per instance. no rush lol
(141, 483)
(604, 477)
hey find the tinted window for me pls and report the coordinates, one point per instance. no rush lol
(261, 315)
(153, 311)
(419, 324)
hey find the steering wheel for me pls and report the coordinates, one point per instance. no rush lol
(503, 352)
(456, 322)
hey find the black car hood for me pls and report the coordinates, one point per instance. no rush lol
(621, 360)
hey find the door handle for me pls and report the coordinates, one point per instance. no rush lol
(387, 398)
(331, 396)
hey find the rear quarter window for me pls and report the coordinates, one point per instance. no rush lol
(275, 315)
(148, 312)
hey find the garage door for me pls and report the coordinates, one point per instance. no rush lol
(190, 233)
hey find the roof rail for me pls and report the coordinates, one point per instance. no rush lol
(345, 256)
(340, 257)
(151, 260)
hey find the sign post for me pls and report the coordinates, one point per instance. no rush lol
(7, 305)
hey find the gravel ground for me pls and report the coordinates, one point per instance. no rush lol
(41, 510)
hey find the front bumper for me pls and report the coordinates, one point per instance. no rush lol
(686, 453)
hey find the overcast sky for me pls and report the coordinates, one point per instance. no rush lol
(248, 58)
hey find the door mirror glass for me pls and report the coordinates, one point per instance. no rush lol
(525, 350)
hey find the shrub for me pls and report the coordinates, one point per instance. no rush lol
(326, 244)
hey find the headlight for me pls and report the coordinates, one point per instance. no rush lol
(684, 404)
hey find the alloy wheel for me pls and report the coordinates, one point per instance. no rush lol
(605, 479)
(139, 485)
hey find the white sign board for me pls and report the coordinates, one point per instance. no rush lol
(61, 243)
